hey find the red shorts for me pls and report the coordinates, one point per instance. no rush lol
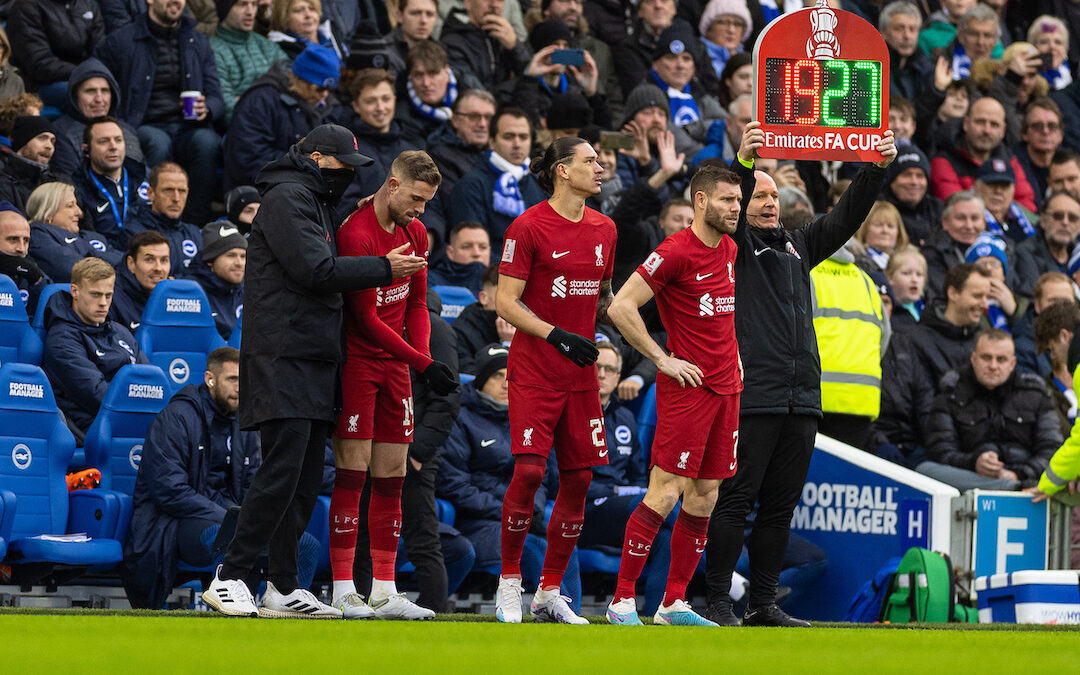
(697, 431)
(571, 420)
(376, 401)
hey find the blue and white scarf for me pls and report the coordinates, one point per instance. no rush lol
(506, 197)
(961, 62)
(1016, 215)
(684, 108)
(770, 9)
(1059, 77)
(997, 316)
(717, 55)
(563, 83)
(442, 113)
(880, 258)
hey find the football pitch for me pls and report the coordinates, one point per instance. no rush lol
(163, 642)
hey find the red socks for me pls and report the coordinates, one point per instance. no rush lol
(344, 519)
(641, 529)
(565, 525)
(518, 510)
(384, 525)
(688, 539)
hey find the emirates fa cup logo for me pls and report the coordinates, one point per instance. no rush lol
(822, 44)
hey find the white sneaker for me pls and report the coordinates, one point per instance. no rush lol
(300, 604)
(623, 612)
(231, 597)
(352, 606)
(397, 606)
(554, 609)
(508, 601)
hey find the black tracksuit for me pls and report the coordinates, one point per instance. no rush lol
(781, 399)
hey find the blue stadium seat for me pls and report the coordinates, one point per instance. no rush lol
(647, 422)
(465, 377)
(35, 447)
(7, 519)
(454, 299)
(178, 332)
(234, 339)
(445, 512)
(319, 527)
(18, 341)
(38, 322)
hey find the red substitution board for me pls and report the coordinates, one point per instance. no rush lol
(821, 86)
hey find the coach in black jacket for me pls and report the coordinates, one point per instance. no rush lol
(294, 347)
(781, 401)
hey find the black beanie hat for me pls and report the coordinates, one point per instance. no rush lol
(488, 360)
(569, 110)
(26, 128)
(235, 201)
(223, 8)
(546, 33)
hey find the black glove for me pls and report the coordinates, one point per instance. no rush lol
(440, 378)
(18, 267)
(582, 351)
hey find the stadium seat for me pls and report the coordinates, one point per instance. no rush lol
(647, 422)
(319, 527)
(454, 299)
(38, 322)
(445, 512)
(234, 339)
(35, 447)
(7, 518)
(178, 332)
(18, 341)
(465, 377)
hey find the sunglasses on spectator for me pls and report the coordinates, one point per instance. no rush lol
(475, 116)
(1044, 126)
(1063, 216)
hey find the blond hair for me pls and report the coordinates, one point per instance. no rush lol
(280, 10)
(89, 270)
(899, 256)
(888, 211)
(46, 199)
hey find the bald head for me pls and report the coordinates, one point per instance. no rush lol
(14, 234)
(984, 126)
(764, 207)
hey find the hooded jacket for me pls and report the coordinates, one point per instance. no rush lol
(56, 250)
(19, 177)
(294, 334)
(185, 239)
(226, 300)
(129, 298)
(196, 463)
(49, 38)
(69, 129)
(241, 57)
(81, 359)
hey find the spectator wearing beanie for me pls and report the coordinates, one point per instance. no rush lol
(635, 54)
(369, 49)
(278, 110)
(907, 187)
(241, 54)
(1002, 308)
(570, 112)
(33, 141)
(219, 270)
(571, 13)
(49, 38)
(724, 27)
(241, 205)
(543, 80)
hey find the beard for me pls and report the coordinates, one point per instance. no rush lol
(716, 222)
(400, 218)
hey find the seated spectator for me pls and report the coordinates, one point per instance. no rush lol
(196, 465)
(1042, 131)
(458, 146)
(980, 138)
(168, 194)
(1051, 288)
(902, 120)
(240, 54)
(965, 32)
(92, 93)
(17, 106)
(995, 184)
(477, 465)
(1003, 309)
(416, 20)
(881, 233)
(498, 190)
(581, 37)
(1050, 36)
(56, 239)
(83, 348)
(991, 428)
(1064, 172)
(468, 251)
(479, 324)
(906, 183)
(277, 111)
(483, 45)
(11, 83)
(241, 205)
(145, 265)
(906, 273)
(119, 13)
(725, 136)
(370, 48)
(33, 141)
(49, 38)
(108, 183)
(428, 92)
(636, 52)
(1013, 81)
(1055, 327)
(1050, 248)
(962, 220)
(154, 59)
(796, 209)
(919, 357)
(646, 117)
(910, 68)
(724, 27)
(737, 79)
(219, 270)
(297, 24)
(15, 260)
(643, 222)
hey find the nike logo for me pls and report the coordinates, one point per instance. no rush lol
(760, 251)
(225, 231)
(101, 208)
(484, 444)
(338, 530)
(703, 276)
(699, 550)
(566, 348)
(99, 352)
(603, 453)
(638, 555)
(559, 255)
(571, 536)
(517, 529)
(69, 240)
(409, 432)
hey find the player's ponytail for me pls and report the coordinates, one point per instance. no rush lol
(561, 151)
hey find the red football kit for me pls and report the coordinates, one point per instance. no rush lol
(551, 399)
(694, 287)
(376, 390)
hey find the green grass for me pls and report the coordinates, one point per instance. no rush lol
(159, 642)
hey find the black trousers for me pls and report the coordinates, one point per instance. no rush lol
(278, 505)
(774, 456)
(419, 533)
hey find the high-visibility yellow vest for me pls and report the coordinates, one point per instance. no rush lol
(1065, 464)
(848, 320)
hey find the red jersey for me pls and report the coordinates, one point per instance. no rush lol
(695, 294)
(377, 319)
(563, 264)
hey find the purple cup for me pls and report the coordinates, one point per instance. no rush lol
(189, 98)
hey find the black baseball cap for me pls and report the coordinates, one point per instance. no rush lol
(336, 141)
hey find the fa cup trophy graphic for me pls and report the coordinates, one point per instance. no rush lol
(822, 44)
